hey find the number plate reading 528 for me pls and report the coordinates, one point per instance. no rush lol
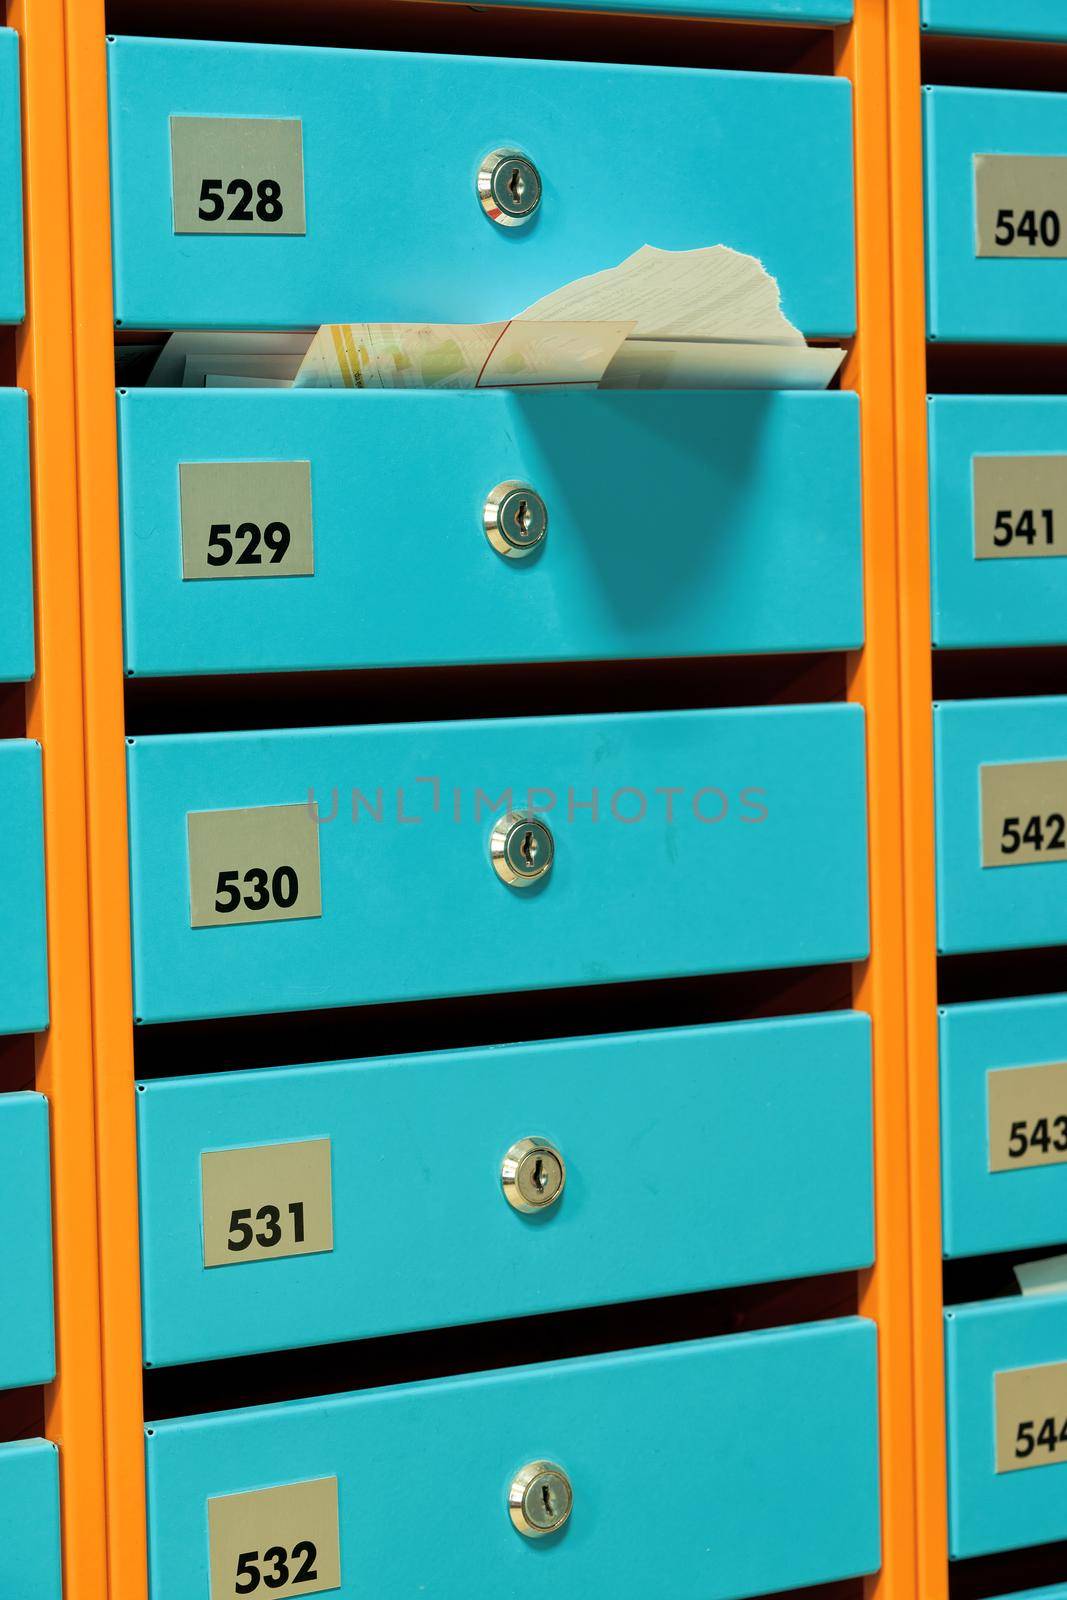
(1024, 813)
(275, 1542)
(260, 864)
(237, 175)
(1031, 1417)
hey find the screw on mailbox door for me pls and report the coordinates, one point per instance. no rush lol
(509, 187)
(521, 849)
(540, 1499)
(515, 519)
(532, 1175)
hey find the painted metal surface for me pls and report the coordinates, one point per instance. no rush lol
(778, 1430)
(763, 1130)
(23, 956)
(679, 524)
(686, 842)
(766, 167)
(27, 1336)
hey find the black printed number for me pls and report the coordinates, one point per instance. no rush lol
(267, 195)
(1028, 527)
(1044, 1134)
(281, 889)
(1049, 1436)
(242, 1233)
(275, 1567)
(1032, 227)
(241, 545)
(1043, 834)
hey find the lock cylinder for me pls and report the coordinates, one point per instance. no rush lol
(521, 848)
(509, 188)
(532, 1175)
(540, 1499)
(515, 519)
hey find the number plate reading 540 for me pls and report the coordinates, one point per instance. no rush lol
(256, 865)
(275, 1542)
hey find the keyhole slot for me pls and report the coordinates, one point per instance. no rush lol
(516, 185)
(522, 516)
(547, 1501)
(540, 1177)
(528, 849)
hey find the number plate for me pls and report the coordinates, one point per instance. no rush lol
(279, 1542)
(1013, 794)
(1020, 506)
(266, 1201)
(1024, 1101)
(246, 519)
(1026, 1400)
(1021, 192)
(237, 175)
(256, 865)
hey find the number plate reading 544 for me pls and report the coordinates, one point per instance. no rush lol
(256, 865)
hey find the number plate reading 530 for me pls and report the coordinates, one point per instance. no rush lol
(1024, 813)
(275, 1542)
(256, 865)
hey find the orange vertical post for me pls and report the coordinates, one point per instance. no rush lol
(909, 354)
(109, 926)
(54, 717)
(874, 683)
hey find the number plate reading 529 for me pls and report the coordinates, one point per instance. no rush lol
(260, 864)
(275, 1542)
(1024, 813)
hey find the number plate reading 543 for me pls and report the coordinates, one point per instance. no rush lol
(256, 865)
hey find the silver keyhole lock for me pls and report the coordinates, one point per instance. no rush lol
(532, 1175)
(509, 187)
(521, 848)
(540, 1499)
(515, 519)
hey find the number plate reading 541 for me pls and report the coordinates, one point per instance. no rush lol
(275, 1542)
(256, 865)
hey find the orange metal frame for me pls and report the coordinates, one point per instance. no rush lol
(909, 356)
(874, 54)
(54, 717)
(875, 680)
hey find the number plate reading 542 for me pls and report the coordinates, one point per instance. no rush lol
(275, 1542)
(256, 865)
(1024, 813)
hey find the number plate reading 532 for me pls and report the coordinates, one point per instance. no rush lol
(1024, 813)
(275, 1542)
(256, 865)
(1031, 1417)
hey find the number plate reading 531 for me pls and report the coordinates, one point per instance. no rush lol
(256, 865)
(265, 1201)
(275, 1542)
(1024, 813)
